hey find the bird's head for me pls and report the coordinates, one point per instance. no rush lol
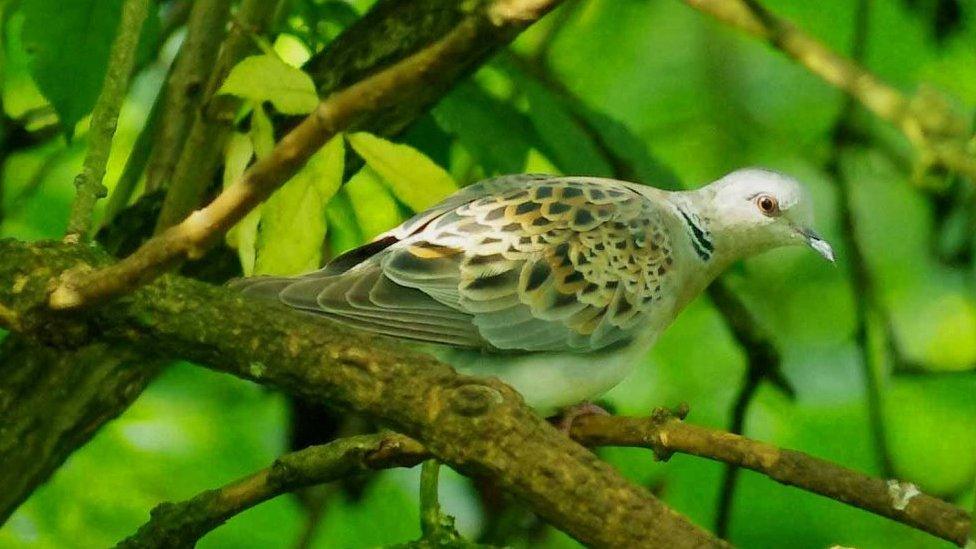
(757, 210)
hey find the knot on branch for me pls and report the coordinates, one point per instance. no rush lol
(659, 417)
(474, 399)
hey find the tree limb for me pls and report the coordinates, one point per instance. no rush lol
(183, 91)
(184, 523)
(84, 412)
(105, 117)
(940, 135)
(899, 501)
(432, 68)
(197, 160)
(479, 427)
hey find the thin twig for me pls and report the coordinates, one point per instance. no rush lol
(105, 117)
(183, 524)
(187, 521)
(135, 164)
(899, 501)
(184, 90)
(441, 61)
(940, 136)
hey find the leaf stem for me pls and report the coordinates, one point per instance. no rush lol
(105, 119)
(430, 507)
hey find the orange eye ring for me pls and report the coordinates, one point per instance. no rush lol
(767, 204)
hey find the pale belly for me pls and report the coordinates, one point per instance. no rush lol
(549, 381)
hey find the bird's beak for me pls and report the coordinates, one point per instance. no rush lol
(816, 242)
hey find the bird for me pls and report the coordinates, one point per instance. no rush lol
(556, 285)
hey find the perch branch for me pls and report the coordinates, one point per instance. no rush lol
(183, 523)
(390, 31)
(105, 118)
(940, 135)
(899, 501)
(479, 427)
(428, 68)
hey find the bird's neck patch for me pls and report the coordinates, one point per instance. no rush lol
(701, 238)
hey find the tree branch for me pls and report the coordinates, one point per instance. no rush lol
(197, 160)
(899, 501)
(940, 135)
(479, 427)
(105, 118)
(184, 523)
(432, 68)
(183, 92)
(84, 412)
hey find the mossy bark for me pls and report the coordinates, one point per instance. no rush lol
(479, 427)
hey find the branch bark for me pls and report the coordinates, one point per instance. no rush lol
(86, 413)
(184, 523)
(941, 136)
(479, 427)
(420, 77)
(184, 89)
(197, 160)
(105, 117)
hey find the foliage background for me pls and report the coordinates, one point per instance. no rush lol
(702, 100)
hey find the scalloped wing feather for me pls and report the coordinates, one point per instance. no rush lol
(528, 263)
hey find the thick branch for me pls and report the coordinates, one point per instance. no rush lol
(940, 135)
(479, 427)
(430, 68)
(84, 412)
(105, 118)
(182, 524)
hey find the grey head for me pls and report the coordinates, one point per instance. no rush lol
(753, 210)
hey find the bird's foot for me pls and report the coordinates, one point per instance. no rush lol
(564, 421)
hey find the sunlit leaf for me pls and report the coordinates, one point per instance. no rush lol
(293, 220)
(344, 232)
(237, 155)
(261, 78)
(415, 179)
(262, 132)
(375, 209)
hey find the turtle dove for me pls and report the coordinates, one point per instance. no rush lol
(556, 285)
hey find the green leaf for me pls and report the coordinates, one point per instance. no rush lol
(68, 44)
(293, 220)
(492, 131)
(375, 209)
(243, 236)
(261, 78)
(344, 233)
(262, 132)
(412, 177)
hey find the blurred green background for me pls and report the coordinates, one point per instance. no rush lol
(676, 91)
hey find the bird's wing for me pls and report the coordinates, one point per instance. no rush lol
(522, 263)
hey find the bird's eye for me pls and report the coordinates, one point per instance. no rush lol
(767, 204)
